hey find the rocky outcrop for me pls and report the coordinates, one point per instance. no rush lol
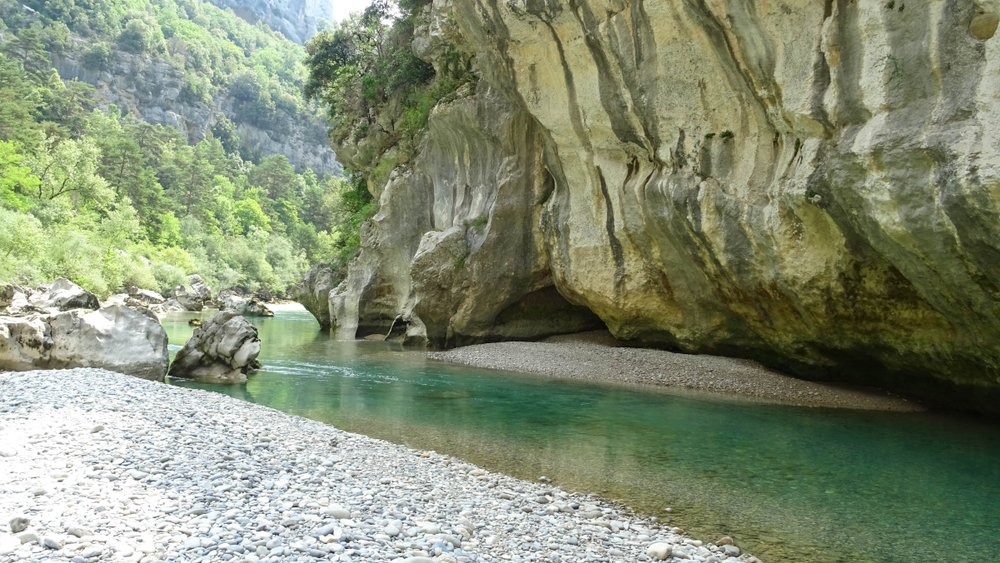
(436, 258)
(222, 350)
(313, 291)
(193, 296)
(246, 307)
(297, 20)
(63, 295)
(116, 338)
(811, 185)
(152, 90)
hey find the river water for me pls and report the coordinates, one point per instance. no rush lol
(789, 484)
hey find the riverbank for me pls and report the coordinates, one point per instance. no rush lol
(108, 466)
(596, 356)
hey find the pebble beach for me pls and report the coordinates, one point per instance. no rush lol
(99, 466)
(596, 356)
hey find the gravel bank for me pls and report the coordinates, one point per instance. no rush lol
(99, 466)
(594, 356)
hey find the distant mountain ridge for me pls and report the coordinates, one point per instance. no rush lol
(185, 63)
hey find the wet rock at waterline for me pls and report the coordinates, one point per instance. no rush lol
(222, 350)
(313, 291)
(194, 295)
(117, 337)
(246, 307)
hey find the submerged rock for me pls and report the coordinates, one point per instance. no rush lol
(222, 350)
(116, 338)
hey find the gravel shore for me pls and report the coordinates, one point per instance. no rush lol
(98, 466)
(595, 356)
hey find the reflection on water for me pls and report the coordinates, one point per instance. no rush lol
(788, 483)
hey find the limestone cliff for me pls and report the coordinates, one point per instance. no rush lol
(812, 184)
(151, 89)
(297, 20)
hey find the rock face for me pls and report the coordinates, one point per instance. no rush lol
(811, 184)
(246, 307)
(193, 296)
(151, 88)
(116, 338)
(313, 291)
(295, 19)
(221, 350)
(64, 295)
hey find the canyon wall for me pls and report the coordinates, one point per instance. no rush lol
(151, 90)
(297, 20)
(812, 184)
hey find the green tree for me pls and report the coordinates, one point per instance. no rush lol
(68, 169)
(251, 216)
(28, 48)
(225, 131)
(16, 179)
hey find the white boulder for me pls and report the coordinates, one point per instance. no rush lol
(116, 338)
(64, 295)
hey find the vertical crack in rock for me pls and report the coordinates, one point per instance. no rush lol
(727, 55)
(616, 245)
(574, 105)
(612, 100)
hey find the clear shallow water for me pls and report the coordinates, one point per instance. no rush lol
(789, 484)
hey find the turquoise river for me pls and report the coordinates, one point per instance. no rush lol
(789, 484)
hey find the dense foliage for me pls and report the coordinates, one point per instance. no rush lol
(107, 200)
(379, 95)
(257, 72)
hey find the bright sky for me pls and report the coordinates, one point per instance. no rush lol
(343, 8)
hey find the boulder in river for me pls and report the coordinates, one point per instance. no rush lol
(313, 291)
(246, 307)
(222, 350)
(194, 295)
(64, 295)
(146, 296)
(116, 338)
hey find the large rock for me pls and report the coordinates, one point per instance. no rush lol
(146, 296)
(117, 338)
(313, 291)
(25, 342)
(810, 184)
(222, 350)
(246, 307)
(64, 295)
(14, 298)
(194, 295)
